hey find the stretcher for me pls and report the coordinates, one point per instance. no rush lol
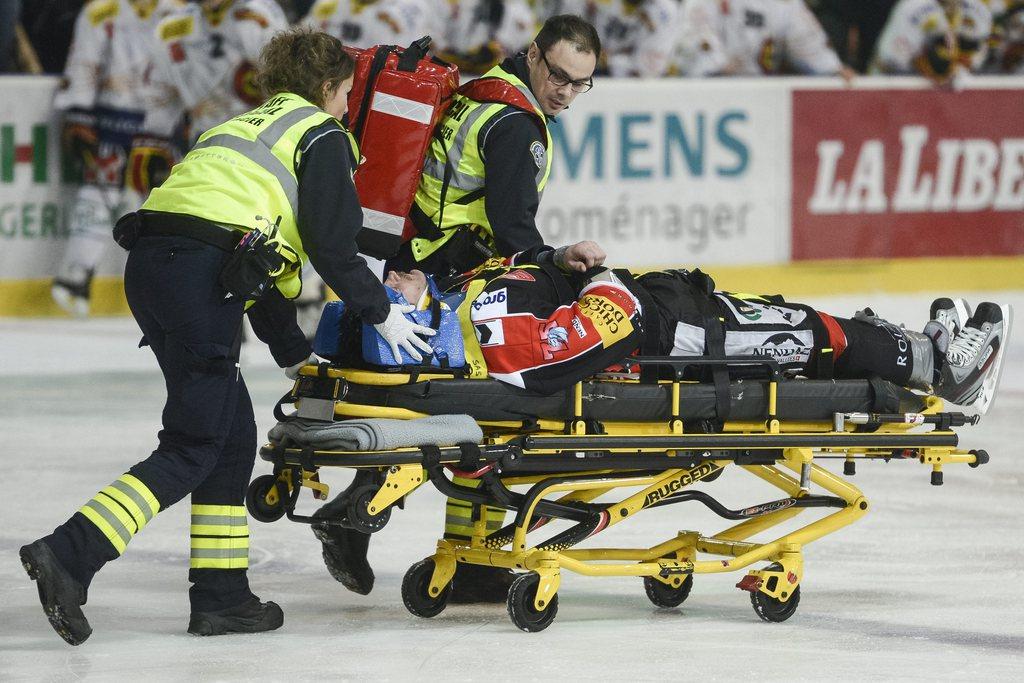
(606, 450)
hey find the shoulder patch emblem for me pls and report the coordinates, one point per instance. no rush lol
(173, 29)
(539, 153)
(102, 11)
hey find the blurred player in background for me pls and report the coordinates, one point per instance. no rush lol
(1006, 47)
(753, 37)
(934, 38)
(364, 23)
(103, 97)
(638, 36)
(476, 35)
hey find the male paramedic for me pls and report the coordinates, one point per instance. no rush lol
(486, 170)
(233, 223)
(482, 180)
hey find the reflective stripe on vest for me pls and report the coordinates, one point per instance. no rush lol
(246, 168)
(463, 154)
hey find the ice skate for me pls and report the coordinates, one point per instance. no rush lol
(72, 293)
(947, 317)
(969, 375)
(252, 616)
(61, 595)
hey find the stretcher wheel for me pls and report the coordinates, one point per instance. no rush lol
(359, 517)
(772, 609)
(520, 604)
(256, 499)
(416, 591)
(665, 595)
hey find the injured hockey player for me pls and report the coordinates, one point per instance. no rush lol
(542, 326)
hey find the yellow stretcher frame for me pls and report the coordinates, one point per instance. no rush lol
(666, 567)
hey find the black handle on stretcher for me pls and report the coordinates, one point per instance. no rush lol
(679, 365)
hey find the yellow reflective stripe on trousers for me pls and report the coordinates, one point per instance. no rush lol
(458, 517)
(121, 510)
(219, 537)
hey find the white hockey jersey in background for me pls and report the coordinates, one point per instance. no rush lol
(364, 23)
(752, 37)
(637, 36)
(914, 25)
(208, 54)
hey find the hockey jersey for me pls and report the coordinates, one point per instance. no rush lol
(208, 55)
(534, 328)
(752, 37)
(109, 73)
(637, 36)
(913, 25)
(365, 23)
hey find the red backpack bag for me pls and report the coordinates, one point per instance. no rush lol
(397, 98)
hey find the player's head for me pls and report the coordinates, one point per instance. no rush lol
(410, 285)
(561, 61)
(310, 64)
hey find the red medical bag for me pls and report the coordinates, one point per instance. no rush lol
(397, 98)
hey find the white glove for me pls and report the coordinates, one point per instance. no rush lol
(292, 371)
(399, 331)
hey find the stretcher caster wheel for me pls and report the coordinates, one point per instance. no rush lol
(416, 591)
(521, 608)
(770, 609)
(665, 595)
(359, 516)
(256, 499)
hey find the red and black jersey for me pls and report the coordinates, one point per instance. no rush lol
(543, 330)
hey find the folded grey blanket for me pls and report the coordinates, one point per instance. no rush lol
(379, 434)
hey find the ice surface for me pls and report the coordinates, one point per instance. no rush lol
(925, 586)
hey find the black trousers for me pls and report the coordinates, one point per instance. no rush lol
(207, 446)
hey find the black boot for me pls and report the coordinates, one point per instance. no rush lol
(345, 556)
(61, 595)
(476, 583)
(344, 549)
(251, 616)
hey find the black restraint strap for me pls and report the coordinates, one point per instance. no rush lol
(714, 339)
(651, 344)
(470, 459)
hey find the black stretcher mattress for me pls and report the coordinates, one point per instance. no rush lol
(630, 401)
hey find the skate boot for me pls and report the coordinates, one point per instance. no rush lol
(969, 374)
(61, 595)
(71, 293)
(948, 316)
(252, 616)
(475, 583)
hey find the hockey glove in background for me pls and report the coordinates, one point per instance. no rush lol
(79, 144)
(400, 332)
(150, 162)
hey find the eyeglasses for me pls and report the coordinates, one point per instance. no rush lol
(560, 79)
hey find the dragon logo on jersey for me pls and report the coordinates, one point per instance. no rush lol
(554, 338)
